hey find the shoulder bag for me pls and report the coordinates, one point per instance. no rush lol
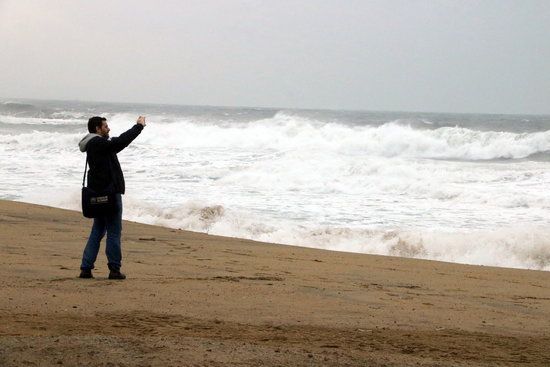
(96, 204)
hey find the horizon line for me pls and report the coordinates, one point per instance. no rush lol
(6, 99)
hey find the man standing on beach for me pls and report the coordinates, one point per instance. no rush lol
(105, 174)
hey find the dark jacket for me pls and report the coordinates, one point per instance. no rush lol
(105, 173)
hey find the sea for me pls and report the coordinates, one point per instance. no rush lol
(463, 188)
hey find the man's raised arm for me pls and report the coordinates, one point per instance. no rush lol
(118, 143)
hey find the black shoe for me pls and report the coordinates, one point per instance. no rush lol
(116, 274)
(86, 274)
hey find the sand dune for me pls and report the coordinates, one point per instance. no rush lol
(194, 299)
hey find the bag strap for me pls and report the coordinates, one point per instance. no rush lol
(85, 169)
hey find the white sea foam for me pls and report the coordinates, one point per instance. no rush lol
(525, 246)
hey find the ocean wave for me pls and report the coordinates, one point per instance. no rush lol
(541, 156)
(46, 141)
(50, 119)
(285, 133)
(289, 133)
(27, 113)
(16, 106)
(22, 109)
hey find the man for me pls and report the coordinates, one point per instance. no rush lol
(105, 174)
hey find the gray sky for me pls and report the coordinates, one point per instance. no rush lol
(454, 56)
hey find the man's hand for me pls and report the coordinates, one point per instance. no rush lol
(141, 120)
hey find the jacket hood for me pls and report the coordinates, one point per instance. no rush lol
(84, 142)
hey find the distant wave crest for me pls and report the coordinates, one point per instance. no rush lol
(285, 132)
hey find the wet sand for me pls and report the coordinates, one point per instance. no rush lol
(193, 299)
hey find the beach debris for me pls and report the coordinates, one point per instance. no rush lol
(147, 238)
(239, 278)
(409, 286)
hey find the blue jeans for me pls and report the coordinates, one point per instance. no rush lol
(112, 225)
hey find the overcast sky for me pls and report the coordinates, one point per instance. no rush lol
(446, 56)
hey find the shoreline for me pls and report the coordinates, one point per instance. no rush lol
(192, 298)
(534, 266)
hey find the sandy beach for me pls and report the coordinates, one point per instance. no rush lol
(193, 299)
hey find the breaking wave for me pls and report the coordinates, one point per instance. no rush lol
(286, 132)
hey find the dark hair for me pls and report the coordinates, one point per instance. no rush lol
(95, 122)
